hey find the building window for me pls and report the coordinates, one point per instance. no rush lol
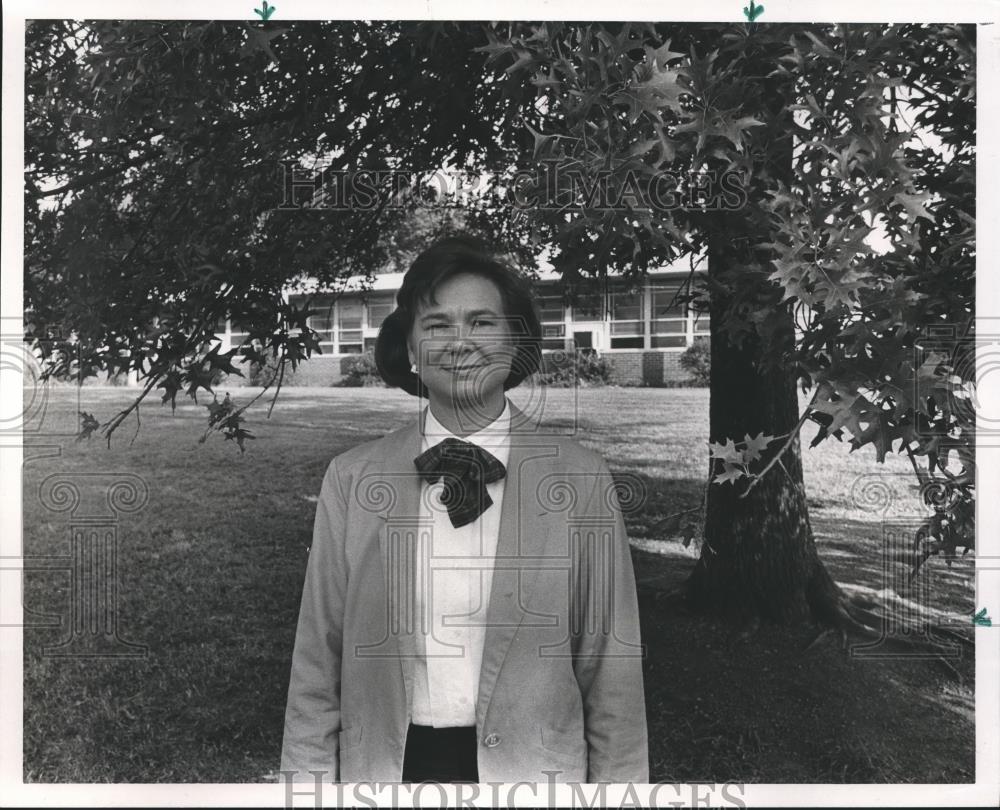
(322, 323)
(552, 313)
(628, 327)
(349, 316)
(379, 308)
(701, 326)
(587, 303)
(668, 317)
(237, 335)
(553, 336)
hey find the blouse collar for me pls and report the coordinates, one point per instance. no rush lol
(494, 437)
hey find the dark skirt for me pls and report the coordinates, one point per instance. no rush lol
(440, 754)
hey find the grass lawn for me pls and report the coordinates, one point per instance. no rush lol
(210, 575)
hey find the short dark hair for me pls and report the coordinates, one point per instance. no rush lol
(447, 257)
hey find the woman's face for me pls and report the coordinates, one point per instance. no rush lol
(462, 344)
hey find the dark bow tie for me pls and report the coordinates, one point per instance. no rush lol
(466, 470)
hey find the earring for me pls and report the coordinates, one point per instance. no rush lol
(413, 368)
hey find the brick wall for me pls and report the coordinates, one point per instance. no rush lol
(318, 372)
(639, 367)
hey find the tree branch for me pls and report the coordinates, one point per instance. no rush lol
(112, 424)
(96, 177)
(788, 443)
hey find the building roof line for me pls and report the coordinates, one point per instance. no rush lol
(390, 282)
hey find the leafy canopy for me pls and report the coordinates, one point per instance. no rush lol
(153, 193)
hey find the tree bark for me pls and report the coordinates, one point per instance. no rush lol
(758, 559)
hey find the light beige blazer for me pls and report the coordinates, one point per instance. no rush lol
(560, 689)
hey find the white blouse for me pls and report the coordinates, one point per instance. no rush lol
(455, 572)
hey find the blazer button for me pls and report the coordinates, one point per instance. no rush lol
(492, 741)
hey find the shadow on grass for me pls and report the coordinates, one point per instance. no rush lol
(764, 710)
(210, 579)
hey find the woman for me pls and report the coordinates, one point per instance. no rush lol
(469, 610)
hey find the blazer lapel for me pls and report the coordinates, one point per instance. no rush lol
(398, 542)
(514, 570)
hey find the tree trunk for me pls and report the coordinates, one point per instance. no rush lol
(758, 559)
